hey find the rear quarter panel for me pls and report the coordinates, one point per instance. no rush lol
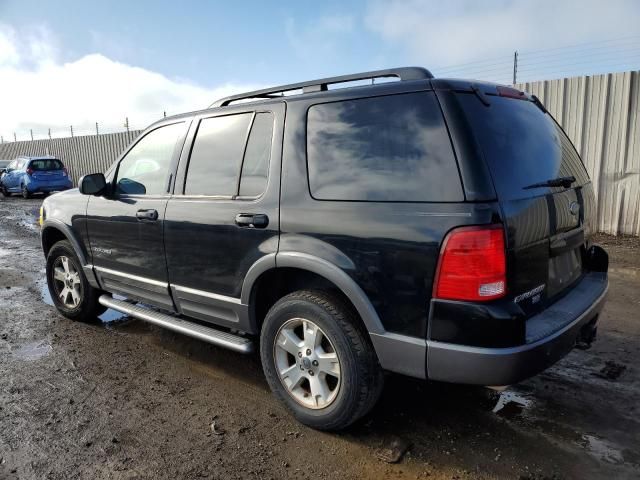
(389, 249)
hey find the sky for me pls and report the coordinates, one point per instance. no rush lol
(76, 63)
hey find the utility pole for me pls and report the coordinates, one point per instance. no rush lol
(71, 131)
(165, 114)
(31, 131)
(1, 139)
(126, 123)
(14, 137)
(97, 131)
(515, 66)
(49, 134)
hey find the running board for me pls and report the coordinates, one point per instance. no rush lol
(176, 324)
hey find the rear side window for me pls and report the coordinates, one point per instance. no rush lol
(217, 154)
(522, 145)
(46, 164)
(391, 148)
(222, 150)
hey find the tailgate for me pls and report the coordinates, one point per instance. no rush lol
(547, 225)
(47, 169)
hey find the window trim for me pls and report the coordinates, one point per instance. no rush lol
(370, 97)
(170, 171)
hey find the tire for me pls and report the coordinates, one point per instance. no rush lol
(25, 192)
(5, 192)
(353, 386)
(82, 302)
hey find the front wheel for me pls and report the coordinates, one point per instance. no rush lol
(5, 192)
(25, 192)
(70, 290)
(319, 361)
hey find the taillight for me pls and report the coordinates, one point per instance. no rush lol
(29, 171)
(472, 265)
(65, 172)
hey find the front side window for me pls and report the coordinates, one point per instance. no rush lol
(391, 148)
(144, 170)
(216, 156)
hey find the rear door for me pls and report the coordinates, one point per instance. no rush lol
(125, 228)
(8, 179)
(547, 227)
(224, 215)
(16, 174)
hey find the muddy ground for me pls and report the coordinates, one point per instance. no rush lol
(121, 399)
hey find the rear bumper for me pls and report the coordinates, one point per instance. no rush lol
(35, 187)
(550, 336)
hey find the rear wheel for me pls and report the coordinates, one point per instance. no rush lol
(70, 290)
(319, 361)
(25, 192)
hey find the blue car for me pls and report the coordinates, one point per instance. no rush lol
(29, 175)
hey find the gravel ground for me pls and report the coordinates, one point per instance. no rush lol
(120, 399)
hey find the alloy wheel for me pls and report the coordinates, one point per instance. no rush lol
(307, 363)
(66, 282)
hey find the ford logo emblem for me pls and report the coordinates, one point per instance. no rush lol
(574, 208)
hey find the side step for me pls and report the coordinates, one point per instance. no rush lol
(195, 330)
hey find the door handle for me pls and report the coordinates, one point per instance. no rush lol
(250, 220)
(149, 214)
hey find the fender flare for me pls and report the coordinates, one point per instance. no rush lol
(68, 233)
(63, 228)
(319, 266)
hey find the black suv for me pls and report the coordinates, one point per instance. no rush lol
(431, 227)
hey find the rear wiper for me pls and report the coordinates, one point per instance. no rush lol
(554, 182)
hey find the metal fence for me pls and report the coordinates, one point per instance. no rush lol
(601, 115)
(81, 155)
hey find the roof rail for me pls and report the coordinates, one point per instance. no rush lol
(403, 73)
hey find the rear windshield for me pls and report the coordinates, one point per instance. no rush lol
(522, 146)
(46, 164)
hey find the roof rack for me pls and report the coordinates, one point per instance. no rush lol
(404, 74)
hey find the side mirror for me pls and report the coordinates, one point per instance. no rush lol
(93, 184)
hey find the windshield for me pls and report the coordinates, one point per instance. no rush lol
(522, 146)
(46, 164)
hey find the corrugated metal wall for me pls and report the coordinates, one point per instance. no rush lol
(601, 115)
(81, 155)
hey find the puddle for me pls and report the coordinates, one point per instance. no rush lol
(29, 219)
(107, 317)
(602, 449)
(511, 404)
(32, 351)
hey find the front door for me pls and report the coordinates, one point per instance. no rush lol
(224, 216)
(125, 227)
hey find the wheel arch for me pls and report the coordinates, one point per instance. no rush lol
(303, 262)
(54, 231)
(395, 352)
